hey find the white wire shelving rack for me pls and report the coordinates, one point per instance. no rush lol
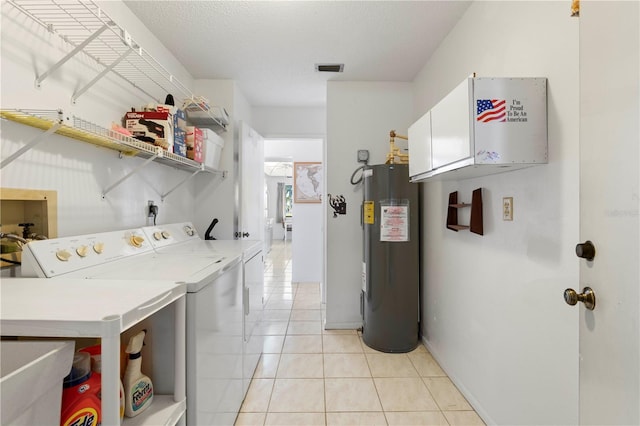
(55, 121)
(90, 31)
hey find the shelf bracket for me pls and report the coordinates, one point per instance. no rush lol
(70, 55)
(163, 196)
(79, 93)
(35, 141)
(128, 175)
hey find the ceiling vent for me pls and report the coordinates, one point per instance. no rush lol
(329, 67)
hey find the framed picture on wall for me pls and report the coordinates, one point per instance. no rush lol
(307, 182)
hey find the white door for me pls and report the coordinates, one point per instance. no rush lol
(609, 214)
(250, 217)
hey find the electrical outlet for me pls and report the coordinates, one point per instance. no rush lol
(507, 208)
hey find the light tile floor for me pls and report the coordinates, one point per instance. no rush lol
(311, 376)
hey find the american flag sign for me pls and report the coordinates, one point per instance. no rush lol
(491, 110)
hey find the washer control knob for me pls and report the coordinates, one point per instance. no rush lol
(98, 248)
(189, 230)
(136, 240)
(82, 251)
(166, 235)
(63, 255)
(157, 235)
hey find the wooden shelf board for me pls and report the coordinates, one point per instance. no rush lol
(458, 227)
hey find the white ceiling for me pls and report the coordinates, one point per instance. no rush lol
(270, 47)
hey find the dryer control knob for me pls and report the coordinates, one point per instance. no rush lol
(63, 255)
(98, 248)
(157, 235)
(189, 230)
(82, 251)
(166, 235)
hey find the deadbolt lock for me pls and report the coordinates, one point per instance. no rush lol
(588, 297)
(586, 250)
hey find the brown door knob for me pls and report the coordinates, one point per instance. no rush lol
(588, 297)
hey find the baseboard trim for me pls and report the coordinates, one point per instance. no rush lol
(459, 384)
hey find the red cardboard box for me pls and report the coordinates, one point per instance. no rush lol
(195, 144)
(157, 125)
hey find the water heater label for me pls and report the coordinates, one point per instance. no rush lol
(368, 213)
(394, 223)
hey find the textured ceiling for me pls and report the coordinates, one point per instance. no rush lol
(270, 47)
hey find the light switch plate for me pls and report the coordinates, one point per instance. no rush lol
(507, 208)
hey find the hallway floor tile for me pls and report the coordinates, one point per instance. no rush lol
(311, 376)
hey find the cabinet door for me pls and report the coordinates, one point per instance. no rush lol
(420, 146)
(450, 126)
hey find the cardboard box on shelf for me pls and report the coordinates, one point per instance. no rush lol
(157, 125)
(195, 143)
(180, 119)
(179, 142)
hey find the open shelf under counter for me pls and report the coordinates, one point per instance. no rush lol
(76, 308)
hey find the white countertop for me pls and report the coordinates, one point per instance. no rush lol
(79, 307)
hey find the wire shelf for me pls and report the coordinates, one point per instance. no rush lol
(85, 131)
(87, 28)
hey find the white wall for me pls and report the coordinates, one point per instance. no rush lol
(217, 196)
(492, 309)
(359, 116)
(78, 171)
(308, 223)
(289, 122)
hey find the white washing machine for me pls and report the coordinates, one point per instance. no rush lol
(216, 308)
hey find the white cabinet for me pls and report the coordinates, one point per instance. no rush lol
(420, 145)
(76, 308)
(450, 130)
(483, 126)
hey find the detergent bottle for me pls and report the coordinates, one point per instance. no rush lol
(96, 367)
(81, 394)
(138, 389)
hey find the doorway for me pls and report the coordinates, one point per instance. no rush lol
(300, 224)
(279, 199)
